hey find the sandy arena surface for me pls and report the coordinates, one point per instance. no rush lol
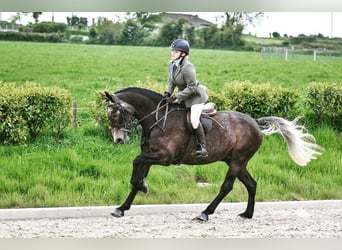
(313, 219)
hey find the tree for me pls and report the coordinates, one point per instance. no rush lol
(132, 33)
(243, 18)
(148, 20)
(207, 36)
(171, 31)
(17, 17)
(36, 15)
(275, 34)
(189, 34)
(73, 20)
(236, 21)
(79, 22)
(83, 23)
(109, 32)
(93, 33)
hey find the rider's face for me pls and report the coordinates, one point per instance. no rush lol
(175, 54)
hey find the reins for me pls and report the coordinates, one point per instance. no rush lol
(167, 112)
(159, 107)
(158, 119)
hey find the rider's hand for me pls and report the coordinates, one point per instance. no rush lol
(171, 99)
(166, 94)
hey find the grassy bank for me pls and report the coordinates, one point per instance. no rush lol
(85, 168)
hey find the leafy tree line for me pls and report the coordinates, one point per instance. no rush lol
(149, 29)
(144, 28)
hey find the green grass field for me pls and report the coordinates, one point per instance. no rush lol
(86, 168)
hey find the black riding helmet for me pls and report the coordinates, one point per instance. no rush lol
(181, 45)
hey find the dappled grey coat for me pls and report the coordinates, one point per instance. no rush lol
(190, 91)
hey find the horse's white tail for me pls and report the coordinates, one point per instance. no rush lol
(301, 145)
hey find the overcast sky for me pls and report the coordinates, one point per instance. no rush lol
(290, 23)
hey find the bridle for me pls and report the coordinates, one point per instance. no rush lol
(127, 127)
(127, 122)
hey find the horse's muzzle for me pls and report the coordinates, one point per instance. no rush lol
(119, 141)
(119, 136)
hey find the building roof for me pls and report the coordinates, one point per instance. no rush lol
(192, 19)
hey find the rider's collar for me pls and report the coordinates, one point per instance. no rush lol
(178, 62)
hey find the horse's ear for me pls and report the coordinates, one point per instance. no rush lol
(108, 97)
(103, 95)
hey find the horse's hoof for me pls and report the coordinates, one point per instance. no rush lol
(245, 215)
(117, 213)
(144, 188)
(203, 217)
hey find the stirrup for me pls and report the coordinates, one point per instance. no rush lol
(201, 152)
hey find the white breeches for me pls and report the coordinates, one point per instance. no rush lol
(195, 113)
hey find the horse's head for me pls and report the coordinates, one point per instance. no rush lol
(120, 115)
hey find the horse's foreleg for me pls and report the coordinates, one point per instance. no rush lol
(120, 211)
(139, 173)
(251, 185)
(226, 187)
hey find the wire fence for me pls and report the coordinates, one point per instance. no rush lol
(81, 114)
(287, 54)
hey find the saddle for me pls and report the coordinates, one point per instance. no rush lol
(209, 109)
(207, 112)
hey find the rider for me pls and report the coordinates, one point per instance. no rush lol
(182, 74)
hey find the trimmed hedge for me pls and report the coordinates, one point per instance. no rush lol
(261, 100)
(324, 100)
(98, 109)
(27, 111)
(44, 27)
(32, 37)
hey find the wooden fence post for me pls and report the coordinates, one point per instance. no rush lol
(286, 54)
(74, 114)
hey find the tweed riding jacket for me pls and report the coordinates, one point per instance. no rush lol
(190, 91)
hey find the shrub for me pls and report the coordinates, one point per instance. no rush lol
(98, 109)
(220, 101)
(33, 37)
(325, 102)
(27, 111)
(261, 100)
(48, 27)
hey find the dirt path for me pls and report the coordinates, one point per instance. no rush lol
(271, 220)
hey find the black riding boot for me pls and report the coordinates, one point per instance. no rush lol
(201, 139)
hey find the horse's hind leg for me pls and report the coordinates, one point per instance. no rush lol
(251, 186)
(226, 187)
